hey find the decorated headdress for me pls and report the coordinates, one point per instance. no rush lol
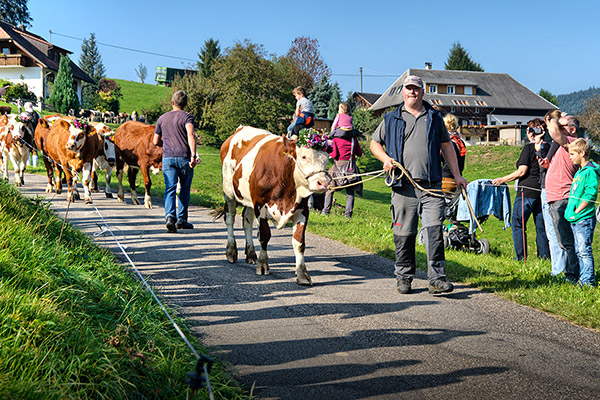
(314, 139)
(22, 118)
(79, 124)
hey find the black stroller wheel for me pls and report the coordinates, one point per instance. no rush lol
(484, 246)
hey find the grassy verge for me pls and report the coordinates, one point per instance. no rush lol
(77, 325)
(530, 284)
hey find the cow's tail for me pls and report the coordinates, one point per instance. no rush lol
(217, 213)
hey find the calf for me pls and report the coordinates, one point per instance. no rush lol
(272, 178)
(134, 147)
(106, 159)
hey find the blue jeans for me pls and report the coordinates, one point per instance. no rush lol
(523, 208)
(557, 255)
(583, 231)
(177, 169)
(566, 241)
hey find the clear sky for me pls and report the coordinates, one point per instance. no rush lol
(548, 44)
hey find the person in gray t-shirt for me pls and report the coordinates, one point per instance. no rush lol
(304, 115)
(414, 135)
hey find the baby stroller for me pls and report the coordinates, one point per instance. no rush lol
(487, 200)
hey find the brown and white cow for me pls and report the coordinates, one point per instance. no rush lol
(73, 148)
(134, 147)
(272, 178)
(16, 140)
(106, 159)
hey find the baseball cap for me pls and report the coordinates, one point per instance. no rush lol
(413, 80)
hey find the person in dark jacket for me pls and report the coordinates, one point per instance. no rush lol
(414, 135)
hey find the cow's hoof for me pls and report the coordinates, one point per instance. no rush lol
(135, 202)
(58, 191)
(231, 256)
(76, 196)
(148, 205)
(95, 190)
(87, 201)
(18, 184)
(108, 195)
(303, 279)
(262, 269)
(121, 199)
(251, 255)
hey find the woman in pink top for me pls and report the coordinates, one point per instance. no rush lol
(342, 151)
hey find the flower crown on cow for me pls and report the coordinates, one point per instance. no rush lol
(22, 118)
(79, 124)
(314, 139)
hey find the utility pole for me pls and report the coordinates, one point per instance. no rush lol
(361, 89)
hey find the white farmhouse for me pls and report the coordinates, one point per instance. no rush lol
(28, 58)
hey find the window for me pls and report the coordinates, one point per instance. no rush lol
(452, 109)
(432, 88)
(468, 89)
(518, 123)
(476, 110)
(492, 122)
(5, 50)
(392, 90)
(450, 89)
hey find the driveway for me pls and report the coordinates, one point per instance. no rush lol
(350, 335)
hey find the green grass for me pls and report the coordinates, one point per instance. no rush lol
(78, 326)
(530, 284)
(137, 96)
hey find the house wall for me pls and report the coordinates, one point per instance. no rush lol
(500, 119)
(32, 76)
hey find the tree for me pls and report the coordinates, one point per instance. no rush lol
(334, 101)
(63, 95)
(209, 53)
(109, 92)
(15, 12)
(250, 91)
(548, 96)
(304, 52)
(90, 61)
(142, 72)
(320, 96)
(590, 117)
(459, 60)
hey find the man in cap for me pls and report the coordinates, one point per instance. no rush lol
(414, 135)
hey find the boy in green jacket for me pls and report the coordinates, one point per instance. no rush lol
(581, 210)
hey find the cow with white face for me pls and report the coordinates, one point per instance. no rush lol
(16, 140)
(272, 178)
(106, 158)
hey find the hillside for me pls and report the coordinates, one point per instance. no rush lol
(137, 96)
(573, 102)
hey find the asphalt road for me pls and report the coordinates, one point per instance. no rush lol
(350, 335)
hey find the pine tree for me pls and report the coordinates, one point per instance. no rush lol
(15, 12)
(63, 95)
(459, 60)
(320, 96)
(548, 96)
(209, 53)
(334, 101)
(90, 62)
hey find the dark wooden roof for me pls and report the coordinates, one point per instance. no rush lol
(493, 89)
(370, 98)
(37, 48)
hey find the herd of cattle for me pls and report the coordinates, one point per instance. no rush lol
(72, 146)
(267, 174)
(108, 117)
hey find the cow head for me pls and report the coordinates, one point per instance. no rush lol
(310, 172)
(78, 132)
(20, 129)
(109, 147)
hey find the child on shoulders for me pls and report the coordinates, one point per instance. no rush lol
(580, 210)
